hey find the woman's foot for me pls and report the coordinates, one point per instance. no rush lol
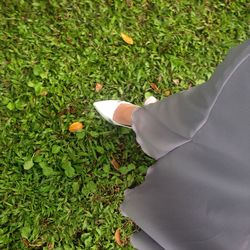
(112, 112)
(119, 112)
(123, 113)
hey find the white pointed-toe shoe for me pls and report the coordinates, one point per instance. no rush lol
(107, 109)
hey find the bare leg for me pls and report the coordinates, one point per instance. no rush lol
(123, 113)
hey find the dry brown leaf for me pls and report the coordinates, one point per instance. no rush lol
(115, 164)
(118, 237)
(98, 87)
(154, 87)
(26, 242)
(127, 39)
(129, 3)
(117, 190)
(38, 152)
(75, 127)
(176, 81)
(69, 110)
(50, 246)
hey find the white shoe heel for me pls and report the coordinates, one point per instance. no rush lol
(149, 100)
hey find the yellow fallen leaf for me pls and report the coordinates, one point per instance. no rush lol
(44, 93)
(118, 237)
(75, 126)
(167, 92)
(127, 39)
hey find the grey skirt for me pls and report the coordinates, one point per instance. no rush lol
(197, 194)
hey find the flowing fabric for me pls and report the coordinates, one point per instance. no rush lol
(197, 194)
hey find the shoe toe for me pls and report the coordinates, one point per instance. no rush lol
(106, 108)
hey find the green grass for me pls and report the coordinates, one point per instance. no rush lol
(58, 189)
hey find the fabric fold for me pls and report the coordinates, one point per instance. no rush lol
(197, 194)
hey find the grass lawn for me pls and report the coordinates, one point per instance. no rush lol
(62, 190)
